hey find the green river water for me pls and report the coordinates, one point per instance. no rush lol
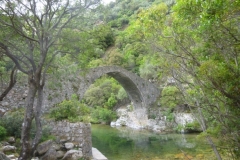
(128, 144)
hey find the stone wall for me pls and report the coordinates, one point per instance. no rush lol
(142, 93)
(77, 133)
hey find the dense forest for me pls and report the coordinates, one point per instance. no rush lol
(195, 44)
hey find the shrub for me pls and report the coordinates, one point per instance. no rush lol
(3, 133)
(12, 122)
(71, 110)
(169, 114)
(103, 115)
(111, 101)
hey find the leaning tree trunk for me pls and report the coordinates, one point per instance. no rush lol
(26, 150)
(11, 84)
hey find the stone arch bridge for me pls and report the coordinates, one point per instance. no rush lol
(142, 93)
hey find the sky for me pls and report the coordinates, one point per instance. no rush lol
(107, 1)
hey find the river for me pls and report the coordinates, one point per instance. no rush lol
(128, 144)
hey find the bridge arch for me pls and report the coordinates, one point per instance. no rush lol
(141, 92)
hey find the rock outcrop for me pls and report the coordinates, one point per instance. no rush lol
(158, 124)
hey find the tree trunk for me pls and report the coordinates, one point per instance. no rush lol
(26, 150)
(11, 84)
(37, 116)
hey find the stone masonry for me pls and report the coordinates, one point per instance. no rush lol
(77, 133)
(141, 92)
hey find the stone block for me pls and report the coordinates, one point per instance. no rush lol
(50, 155)
(69, 146)
(73, 155)
(44, 147)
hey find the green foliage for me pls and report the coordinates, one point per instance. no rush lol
(104, 36)
(171, 97)
(111, 101)
(71, 110)
(12, 122)
(3, 133)
(198, 41)
(189, 127)
(114, 58)
(102, 115)
(169, 115)
(102, 92)
(192, 126)
(122, 94)
(148, 71)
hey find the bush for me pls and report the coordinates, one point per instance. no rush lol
(169, 115)
(111, 101)
(103, 115)
(3, 133)
(71, 110)
(12, 122)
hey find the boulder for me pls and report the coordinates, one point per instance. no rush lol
(9, 149)
(56, 146)
(73, 155)
(69, 146)
(11, 140)
(44, 147)
(60, 154)
(113, 124)
(50, 155)
(3, 156)
(11, 156)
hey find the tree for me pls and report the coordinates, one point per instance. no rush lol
(32, 41)
(200, 42)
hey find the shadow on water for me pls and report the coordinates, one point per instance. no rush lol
(128, 144)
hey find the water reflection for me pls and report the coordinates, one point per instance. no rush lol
(128, 144)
